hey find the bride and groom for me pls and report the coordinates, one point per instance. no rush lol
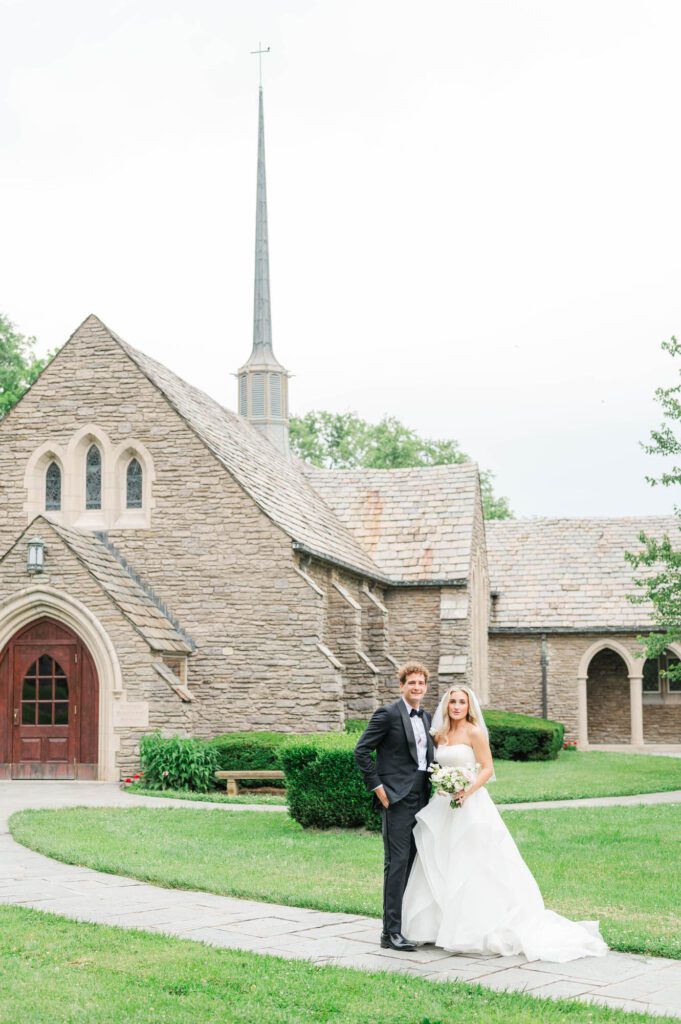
(453, 876)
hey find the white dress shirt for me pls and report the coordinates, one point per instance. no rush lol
(419, 728)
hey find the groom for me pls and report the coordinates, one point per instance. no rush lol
(399, 734)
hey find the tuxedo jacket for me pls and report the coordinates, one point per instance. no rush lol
(391, 735)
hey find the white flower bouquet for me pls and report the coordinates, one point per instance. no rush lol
(451, 781)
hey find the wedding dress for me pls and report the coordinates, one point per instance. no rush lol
(470, 891)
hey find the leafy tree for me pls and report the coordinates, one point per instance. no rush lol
(344, 441)
(19, 366)
(660, 582)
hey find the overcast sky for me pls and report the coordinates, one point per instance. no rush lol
(473, 210)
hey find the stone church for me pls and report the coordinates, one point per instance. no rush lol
(166, 564)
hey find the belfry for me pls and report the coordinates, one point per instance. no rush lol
(263, 381)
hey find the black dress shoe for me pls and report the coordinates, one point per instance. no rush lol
(396, 941)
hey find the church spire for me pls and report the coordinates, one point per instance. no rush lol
(263, 381)
(262, 313)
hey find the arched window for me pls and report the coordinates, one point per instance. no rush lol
(53, 488)
(133, 485)
(45, 694)
(93, 478)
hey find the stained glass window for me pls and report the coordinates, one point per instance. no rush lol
(133, 485)
(93, 478)
(53, 488)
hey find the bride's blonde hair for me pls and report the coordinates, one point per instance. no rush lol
(443, 733)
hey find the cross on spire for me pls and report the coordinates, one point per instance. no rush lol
(260, 52)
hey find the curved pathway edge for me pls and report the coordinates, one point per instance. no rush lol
(624, 981)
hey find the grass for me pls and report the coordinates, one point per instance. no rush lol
(571, 776)
(584, 774)
(620, 865)
(215, 796)
(55, 971)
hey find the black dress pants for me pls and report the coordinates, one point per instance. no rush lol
(399, 849)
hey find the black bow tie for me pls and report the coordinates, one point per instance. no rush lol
(416, 712)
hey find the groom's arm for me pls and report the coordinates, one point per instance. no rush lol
(369, 741)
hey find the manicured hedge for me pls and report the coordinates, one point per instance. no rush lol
(250, 751)
(323, 784)
(514, 737)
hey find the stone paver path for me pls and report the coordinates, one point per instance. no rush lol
(649, 985)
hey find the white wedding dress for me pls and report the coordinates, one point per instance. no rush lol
(470, 891)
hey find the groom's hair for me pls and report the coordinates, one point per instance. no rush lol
(410, 668)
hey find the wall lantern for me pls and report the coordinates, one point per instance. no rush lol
(36, 555)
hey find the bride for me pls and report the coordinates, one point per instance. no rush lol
(469, 890)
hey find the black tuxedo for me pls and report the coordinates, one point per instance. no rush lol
(391, 735)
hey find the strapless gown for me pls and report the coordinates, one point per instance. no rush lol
(470, 891)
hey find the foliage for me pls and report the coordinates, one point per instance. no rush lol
(324, 787)
(514, 737)
(250, 751)
(19, 367)
(620, 864)
(660, 581)
(345, 441)
(175, 763)
(57, 971)
(355, 725)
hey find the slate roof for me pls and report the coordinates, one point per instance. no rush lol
(417, 524)
(568, 573)
(131, 596)
(273, 482)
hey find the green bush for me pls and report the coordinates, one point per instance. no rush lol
(515, 737)
(176, 763)
(325, 789)
(251, 751)
(356, 725)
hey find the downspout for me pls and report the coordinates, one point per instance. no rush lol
(544, 661)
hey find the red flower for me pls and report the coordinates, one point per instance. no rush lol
(127, 780)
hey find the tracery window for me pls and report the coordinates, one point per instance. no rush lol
(93, 478)
(133, 485)
(53, 488)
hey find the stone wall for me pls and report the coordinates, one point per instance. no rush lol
(224, 570)
(661, 723)
(515, 683)
(142, 686)
(515, 674)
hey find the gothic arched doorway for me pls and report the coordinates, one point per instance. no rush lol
(608, 699)
(49, 705)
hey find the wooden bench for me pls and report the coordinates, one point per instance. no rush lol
(232, 778)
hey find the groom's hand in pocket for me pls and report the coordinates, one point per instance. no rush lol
(380, 793)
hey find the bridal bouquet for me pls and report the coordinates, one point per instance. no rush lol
(451, 781)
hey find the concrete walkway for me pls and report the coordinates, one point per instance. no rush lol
(646, 984)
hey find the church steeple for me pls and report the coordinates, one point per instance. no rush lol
(263, 381)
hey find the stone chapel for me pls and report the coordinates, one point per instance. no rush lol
(166, 564)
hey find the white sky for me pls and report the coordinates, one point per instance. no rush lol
(474, 211)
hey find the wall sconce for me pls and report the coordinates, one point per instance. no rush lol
(36, 555)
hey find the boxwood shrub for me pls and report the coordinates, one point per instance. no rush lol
(324, 786)
(250, 751)
(515, 737)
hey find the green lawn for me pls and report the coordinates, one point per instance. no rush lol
(54, 971)
(214, 796)
(617, 864)
(582, 775)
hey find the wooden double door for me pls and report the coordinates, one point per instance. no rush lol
(49, 705)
